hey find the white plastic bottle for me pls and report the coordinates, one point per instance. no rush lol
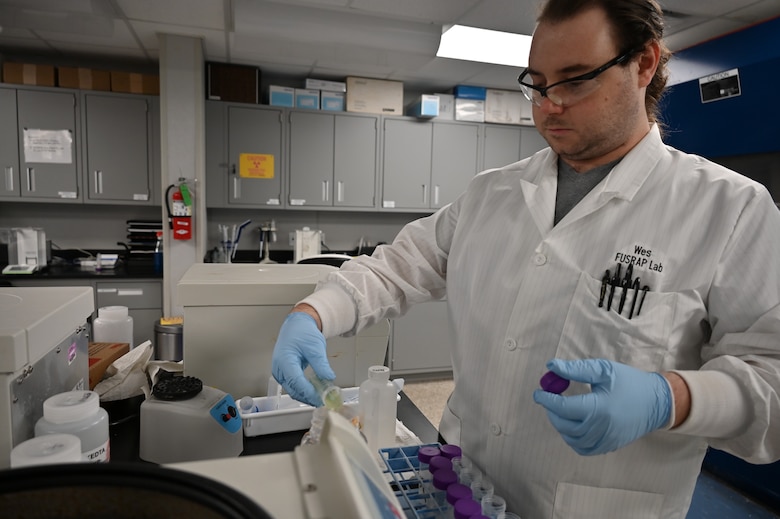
(78, 413)
(377, 408)
(113, 324)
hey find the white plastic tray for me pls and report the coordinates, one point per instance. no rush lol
(291, 415)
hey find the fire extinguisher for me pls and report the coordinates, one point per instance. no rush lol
(180, 215)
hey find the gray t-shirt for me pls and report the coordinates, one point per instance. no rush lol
(573, 186)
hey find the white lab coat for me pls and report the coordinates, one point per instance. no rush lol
(520, 291)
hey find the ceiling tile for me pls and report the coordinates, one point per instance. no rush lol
(213, 40)
(515, 16)
(209, 14)
(119, 37)
(436, 12)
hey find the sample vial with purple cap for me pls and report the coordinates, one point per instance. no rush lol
(553, 383)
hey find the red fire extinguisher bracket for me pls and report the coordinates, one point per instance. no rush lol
(180, 212)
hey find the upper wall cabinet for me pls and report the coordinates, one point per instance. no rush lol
(119, 163)
(244, 159)
(507, 144)
(9, 145)
(427, 165)
(332, 160)
(46, 135)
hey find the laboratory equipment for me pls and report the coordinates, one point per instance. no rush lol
(337, 477)
(78, 413)
(466, 509)
(43, 351)
(451, 451)
(168, 341)
(183, 420)
(493, 506)
(267, 235)
(26, 247)
(233, 314)
(378, 408)
(308, 243)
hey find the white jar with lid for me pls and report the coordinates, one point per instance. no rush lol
(113, 324)
(47, 450)
(78, 413)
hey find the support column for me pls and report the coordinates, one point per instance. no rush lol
(182, 144)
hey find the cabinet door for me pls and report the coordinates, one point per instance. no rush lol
(117, 148)
(455, 155)
(502, 146)
(9, 145)
(255, 156)
(530, 142)
(217, 177)
(406, 164)
(355, 160)
(421, 340)
(311, 159)
(47, 144)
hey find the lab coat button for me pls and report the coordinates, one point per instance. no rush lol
(511, 344)
(495, 429)
(540, 259)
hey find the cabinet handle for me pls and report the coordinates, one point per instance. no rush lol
(9, 178)
(436, 194)
(425, 193)
(324, 190)
(98, 182)
(30, 179)
(236, 188)
(340, 191)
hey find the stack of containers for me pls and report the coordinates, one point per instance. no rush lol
(470, 103)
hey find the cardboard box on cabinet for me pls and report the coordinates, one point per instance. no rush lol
(375, 96)
(83, 78)
(28, 74)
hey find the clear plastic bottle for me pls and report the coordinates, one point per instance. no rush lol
(113, 324)
(378, 407)
(78, 413)
(332, 402)
(47, 450)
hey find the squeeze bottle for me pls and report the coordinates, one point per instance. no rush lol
(113, 324)
(377, 408)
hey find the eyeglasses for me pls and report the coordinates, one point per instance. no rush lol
(572, 90)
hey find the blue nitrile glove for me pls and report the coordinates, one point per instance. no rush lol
(624, 404)
(300, 343)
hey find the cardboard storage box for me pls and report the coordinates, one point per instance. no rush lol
(424, 107)
(375, 96)
(83, 78)
(281, 96)
(469, 110)
(308, 99)
(470, 92)
(238, 83)
(133, 83)
(507, 107)
(446, 106)
(101, 356)
(332, 101)
(28, 74)
(328, 86)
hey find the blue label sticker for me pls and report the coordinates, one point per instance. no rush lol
(225, 413)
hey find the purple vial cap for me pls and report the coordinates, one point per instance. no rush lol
(456, 492)
(479, 516)
(467, 509)
(439, 463)
(451, 451)
(444, 478)
(553, 383)
(424, 454)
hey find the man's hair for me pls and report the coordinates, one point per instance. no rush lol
(634, 23)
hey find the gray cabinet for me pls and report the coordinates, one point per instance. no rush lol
(426, 165)
(332, 160)
(420, 341)
(118, 147)
(254, 156)
(507, 144)
(47, 133)
(9, 145)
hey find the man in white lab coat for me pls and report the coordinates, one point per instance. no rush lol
(651, 277)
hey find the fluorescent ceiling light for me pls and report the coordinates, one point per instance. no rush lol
(474, 44)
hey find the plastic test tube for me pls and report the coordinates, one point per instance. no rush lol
(442, 479)
(424, 456)
(494, 506)
(436, 464)
(481, 488)
(457, 492)
(451, 451)
(466, 509)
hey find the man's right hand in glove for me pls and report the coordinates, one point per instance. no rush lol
(300, 344)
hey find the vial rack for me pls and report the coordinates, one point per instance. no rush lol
(404, 468)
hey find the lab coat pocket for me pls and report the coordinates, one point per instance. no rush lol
(584, 502)
(593, 332)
